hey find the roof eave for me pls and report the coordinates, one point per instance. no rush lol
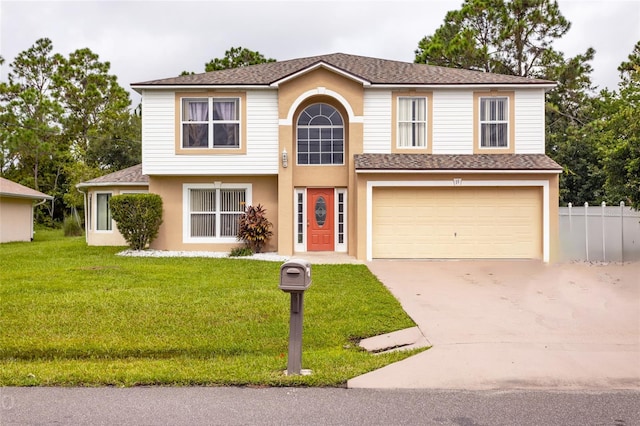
(470, 171)
(545, 86)
(30, 197)
(140, 87)
(103, 184)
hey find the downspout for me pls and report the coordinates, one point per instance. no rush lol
(86, 212)
(33, 207)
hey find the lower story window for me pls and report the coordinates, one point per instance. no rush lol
(103, 212)
(212, 213)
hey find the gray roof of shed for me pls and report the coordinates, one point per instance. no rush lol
(12, 189)
(372, 70)
(485, 162)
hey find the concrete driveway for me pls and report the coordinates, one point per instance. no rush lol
(515, 324)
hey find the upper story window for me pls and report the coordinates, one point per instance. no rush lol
(210, 122)
(320, 135)
(494, 122)
(412, 122)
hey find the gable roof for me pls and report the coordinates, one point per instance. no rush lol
(371, 71)
(440, 162)
(12, 189)
(131, 176)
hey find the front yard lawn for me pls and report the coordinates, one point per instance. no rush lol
(77, 315)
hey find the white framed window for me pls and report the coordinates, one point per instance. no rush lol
(494, 122)
(103, 211)
(341, 219)
(211, 211)
(320, 136)
(412, 122)
(210, 122)
(300, 201)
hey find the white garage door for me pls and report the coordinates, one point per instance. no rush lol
(463, 222)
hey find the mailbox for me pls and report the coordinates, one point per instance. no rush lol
(295, 275)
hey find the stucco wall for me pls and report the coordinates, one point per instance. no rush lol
(16, 219)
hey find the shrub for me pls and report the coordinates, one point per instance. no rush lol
(71, 226)
(241, 251)
(254, 228)
(138, 217)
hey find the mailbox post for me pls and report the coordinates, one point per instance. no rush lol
(295, 278)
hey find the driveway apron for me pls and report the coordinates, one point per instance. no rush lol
(515, 324)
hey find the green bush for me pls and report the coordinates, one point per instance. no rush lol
(254, 228)
(72, 227)
(138, 217)
(241, 251)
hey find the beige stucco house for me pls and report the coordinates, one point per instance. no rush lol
(100, 228)
(16, 210)
(366, 156)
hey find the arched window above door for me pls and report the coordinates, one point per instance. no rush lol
(320, 136)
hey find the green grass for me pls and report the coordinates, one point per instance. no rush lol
(77, 315)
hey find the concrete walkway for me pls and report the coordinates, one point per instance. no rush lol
(515, 325)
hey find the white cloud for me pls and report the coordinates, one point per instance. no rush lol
(146, 40)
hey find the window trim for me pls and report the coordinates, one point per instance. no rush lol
(186, 210)
(344, 136)
(477, 124)
(395, 112)
(210, 95)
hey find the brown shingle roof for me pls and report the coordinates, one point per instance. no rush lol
(129, 176)
(12, 189)
(372, 70)
(455, 162)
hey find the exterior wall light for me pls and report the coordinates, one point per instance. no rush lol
(285, 158)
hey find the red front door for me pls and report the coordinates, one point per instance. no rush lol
(320, 219)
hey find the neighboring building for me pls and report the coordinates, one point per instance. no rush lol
(16, 210)
(371, 157)
(100, 229)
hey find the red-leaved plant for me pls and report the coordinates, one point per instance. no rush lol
(254, 228)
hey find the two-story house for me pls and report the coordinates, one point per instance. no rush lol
(371, 157)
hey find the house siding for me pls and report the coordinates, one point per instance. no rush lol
(159, 132)
(377, 122)
(529, 123)
(452, 122)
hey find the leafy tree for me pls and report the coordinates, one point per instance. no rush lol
(33, 151)
(620, 131)
(569, 109)
(506, 37)
(95, 104)
(236, 57)
(64, 120)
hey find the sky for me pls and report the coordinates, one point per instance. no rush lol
(147, 40)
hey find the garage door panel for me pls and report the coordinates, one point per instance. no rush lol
(498, 222)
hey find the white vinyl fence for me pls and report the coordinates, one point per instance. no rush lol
(600, 233)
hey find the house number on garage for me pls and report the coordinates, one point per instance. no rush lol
(457, 181)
